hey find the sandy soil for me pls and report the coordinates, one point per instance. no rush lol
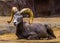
(11, 37)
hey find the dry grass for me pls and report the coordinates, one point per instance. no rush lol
(11, 37)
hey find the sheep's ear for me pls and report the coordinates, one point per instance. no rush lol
(30, 13)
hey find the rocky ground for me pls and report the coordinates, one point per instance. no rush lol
(7, 31)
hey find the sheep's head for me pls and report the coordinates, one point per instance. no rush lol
(25, 10)
(17, 19)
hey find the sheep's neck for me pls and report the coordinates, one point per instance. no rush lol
(20, 27)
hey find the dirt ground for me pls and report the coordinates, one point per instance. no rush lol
(11, 37)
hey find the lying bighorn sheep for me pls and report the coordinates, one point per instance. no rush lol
(32, 30)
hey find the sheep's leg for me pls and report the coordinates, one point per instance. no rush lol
(33, 36)
(50, 31)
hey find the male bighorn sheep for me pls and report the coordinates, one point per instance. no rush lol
(29, 30)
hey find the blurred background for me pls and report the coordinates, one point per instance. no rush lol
(45, 12)
(41, 8)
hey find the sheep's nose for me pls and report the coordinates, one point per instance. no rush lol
(14, 23)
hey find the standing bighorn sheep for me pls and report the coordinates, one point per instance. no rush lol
(29, 30)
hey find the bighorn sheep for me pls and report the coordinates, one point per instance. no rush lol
(32, 30)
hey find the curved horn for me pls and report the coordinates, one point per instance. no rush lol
(12, 14)
(14, 9)
(30, 12)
